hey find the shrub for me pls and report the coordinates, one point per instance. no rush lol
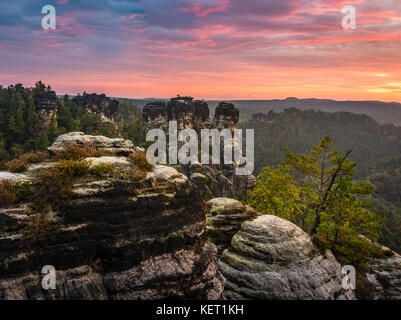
(78, 152)
(17, 165)
(3, 165)
(13, 192)
(54, 185)
(39, 228)
(72, 168)
(75, 152)
(131, 174)
(35, 157)
(103, 153)
(136, 175)
(102, 169)
(139, 159)
(354, 251)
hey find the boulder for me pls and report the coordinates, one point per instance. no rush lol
(272, 259)
(117, 146)
(224, 219)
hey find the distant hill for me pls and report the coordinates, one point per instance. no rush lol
(382, 112)
(376, 148)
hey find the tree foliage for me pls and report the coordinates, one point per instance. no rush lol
(317, 192)
(21, 129)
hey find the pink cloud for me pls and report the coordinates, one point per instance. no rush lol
(201, 9)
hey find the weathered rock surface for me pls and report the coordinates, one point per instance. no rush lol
(108, 160)
(224, 219)
(226, 116)
(46, 104)
(99, 104)
(271, 258)
(117, 146)
(212, 180)
(45, 100)
(5, 175)
(118, 239)
(383, 279)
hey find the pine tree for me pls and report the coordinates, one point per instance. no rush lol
(317, 192)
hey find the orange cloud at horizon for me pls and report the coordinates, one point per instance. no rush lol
(212, 49)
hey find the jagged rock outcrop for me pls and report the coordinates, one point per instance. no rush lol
(46, 104)
(116, 146)
(188, 113)
(155, 115)
(118, 239)
(226, 116)
(99, 104)
(213, 180)
(272, 258)
(382, 280)
(224, 219)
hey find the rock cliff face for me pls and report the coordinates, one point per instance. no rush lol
(117, 239)
(212, 180)
(46, 104)
(224, 219)
(125, 237)
(98, 104)
(271, 258)
(382, 281)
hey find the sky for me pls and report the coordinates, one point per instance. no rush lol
(209, 49)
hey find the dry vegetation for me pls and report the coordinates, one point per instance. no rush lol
(35, 157)
(139, 159)
(79, 152)
(17, 165)
(13, 192)
(54, 185)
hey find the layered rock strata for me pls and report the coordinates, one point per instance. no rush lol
(105, 107)
(224, 219)
(117, 239)
(116, 146)
(272, 259)
(213, 180)
(382, 280)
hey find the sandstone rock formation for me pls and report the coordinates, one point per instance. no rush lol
(117, 146)
(382, 280)
(224, 219)
(271, 258)
(117, 239)
(212, 180)
(5, 175)
(226, 116)
(46, 104)
(99, 104)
